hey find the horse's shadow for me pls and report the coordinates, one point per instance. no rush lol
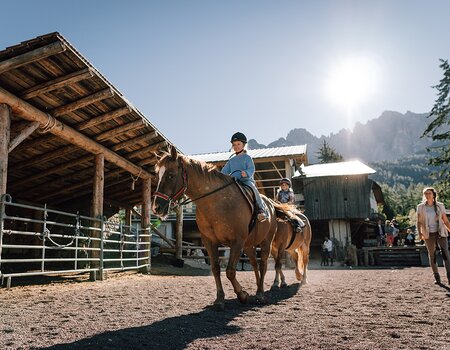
(177, 332)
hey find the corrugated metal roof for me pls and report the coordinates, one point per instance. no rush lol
(287, 151)
(354, 167)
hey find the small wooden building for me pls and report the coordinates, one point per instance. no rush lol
(340, 200)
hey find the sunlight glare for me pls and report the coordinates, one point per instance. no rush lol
(352, 82)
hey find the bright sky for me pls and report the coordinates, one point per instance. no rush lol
(201, 70)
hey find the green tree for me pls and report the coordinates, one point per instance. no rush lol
(328, 154)
(438, 129)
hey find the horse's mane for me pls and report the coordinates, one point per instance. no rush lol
(204, 168)
(201, 168)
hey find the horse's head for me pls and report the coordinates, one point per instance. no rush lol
(172, 183)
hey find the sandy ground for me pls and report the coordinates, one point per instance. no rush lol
(340, 308)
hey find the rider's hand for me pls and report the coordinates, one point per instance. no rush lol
(243, 173)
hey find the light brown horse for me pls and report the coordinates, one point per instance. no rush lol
(296, 244)
(223, 216)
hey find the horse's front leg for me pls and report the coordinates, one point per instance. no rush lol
(251, 254)
(213, 252)
(235, 255)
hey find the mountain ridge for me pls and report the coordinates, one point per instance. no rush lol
(389, 137)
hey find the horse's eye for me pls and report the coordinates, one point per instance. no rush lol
(170, 176)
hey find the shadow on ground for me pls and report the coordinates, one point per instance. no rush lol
(178, 332)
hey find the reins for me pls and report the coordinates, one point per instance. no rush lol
(189, 200)
(177, 196)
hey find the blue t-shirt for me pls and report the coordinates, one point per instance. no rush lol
(236, 164)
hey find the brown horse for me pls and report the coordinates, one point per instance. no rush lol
(223, 216)
(296, 244)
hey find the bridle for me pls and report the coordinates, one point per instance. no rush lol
(174, 199)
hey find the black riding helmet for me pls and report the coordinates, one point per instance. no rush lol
(285, 181)
(238, 136)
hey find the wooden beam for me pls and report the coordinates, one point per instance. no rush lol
(60, 152)
(57, 83)
(5, 124)
(72, 106)
(135, 140)
(120, 130)
(76, 186)
(53, 170)
(23, 134)
(29, 112)
(103, 118)
(32, 56)
(79, 194)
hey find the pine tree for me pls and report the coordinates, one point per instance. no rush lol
(327, 154)
(439, 129)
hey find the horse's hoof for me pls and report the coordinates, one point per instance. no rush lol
(243, 297)
(219, 305)
(274, 288)
(260, 299)
(284, 285)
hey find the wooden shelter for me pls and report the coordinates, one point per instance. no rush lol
(69, 140)
(68, 137)
(340, 200)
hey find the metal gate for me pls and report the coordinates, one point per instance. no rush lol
(42, 241)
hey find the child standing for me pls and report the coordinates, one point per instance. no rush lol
(241, 166)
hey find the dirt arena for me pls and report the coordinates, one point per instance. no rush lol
(340, 308)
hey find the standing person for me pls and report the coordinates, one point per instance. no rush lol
(388, 228)
(433, 226)
(380, 233)
(285, 194)
(395, 232)
(241, 166)
(327, 246)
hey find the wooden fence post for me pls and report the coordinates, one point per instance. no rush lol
(179, 232)
(97, 212)
(145, 223)
(5, 125)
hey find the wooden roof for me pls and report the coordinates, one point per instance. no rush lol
(49, 74)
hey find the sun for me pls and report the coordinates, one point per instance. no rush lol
(352, 81)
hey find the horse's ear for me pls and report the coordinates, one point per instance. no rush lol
(173, 153)
(157, 156)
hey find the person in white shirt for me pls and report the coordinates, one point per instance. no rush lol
(327, 247)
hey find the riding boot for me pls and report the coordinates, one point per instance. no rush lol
(448, 277)
(437, 278)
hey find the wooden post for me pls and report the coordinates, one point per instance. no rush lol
(97, 212)
(145, 226)
(5, 124)
(179, 233)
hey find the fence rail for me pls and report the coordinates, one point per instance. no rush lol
(42, 241)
